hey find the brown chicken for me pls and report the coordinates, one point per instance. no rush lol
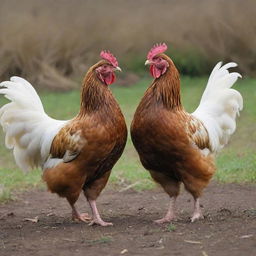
(75, 155)
(175, 146)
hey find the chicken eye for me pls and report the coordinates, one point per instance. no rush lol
(157, 60)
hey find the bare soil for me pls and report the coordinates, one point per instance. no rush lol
(229, 227)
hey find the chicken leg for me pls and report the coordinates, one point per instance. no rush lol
(80, 216)
(172, 188)
(91, 192)
(170, 215)
(72, 198)
(197, 211)
(96, 219)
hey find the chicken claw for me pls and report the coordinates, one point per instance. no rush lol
(96, 216)
(197, 211)
(170, 215)
(100, 222)
(77, 216)
(85, 217)
(165, 219)
(197, 216)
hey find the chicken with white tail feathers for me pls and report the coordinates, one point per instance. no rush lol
(176, 146)
(75, 155)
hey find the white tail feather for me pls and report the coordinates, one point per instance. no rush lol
(29, 130)
(220, 105)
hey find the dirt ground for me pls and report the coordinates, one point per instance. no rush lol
(229, 227)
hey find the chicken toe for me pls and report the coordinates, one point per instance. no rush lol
(197, 211)
(96, 219)
(100, 222)
(165, 219)
(80, 216)
(197, 216)
(85, 217)
(170, 215)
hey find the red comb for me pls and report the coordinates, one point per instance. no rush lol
(107, 55)
(156, 49)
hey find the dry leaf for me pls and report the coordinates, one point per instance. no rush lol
(192, 242)
(124, 251)
(246, 236)
(34, 220)
(204, 253)
(69, 240)
(9, 214)
(130, 186)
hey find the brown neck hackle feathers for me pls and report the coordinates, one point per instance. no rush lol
(95, 94)
(165, 90)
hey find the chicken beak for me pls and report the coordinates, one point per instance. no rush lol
(118, 69)
(148, 62)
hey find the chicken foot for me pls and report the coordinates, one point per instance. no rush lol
(80, 216)
(197, 211)
(96, 219)
(170, 215)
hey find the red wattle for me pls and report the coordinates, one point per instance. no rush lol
(155, 72)
(110, 79)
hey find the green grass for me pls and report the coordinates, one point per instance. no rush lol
(171, 227)
(236, 163)
(14, 179)
(101, 240)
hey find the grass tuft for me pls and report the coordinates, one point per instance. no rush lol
(14, 179)
(102, 240)
(171, 228)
